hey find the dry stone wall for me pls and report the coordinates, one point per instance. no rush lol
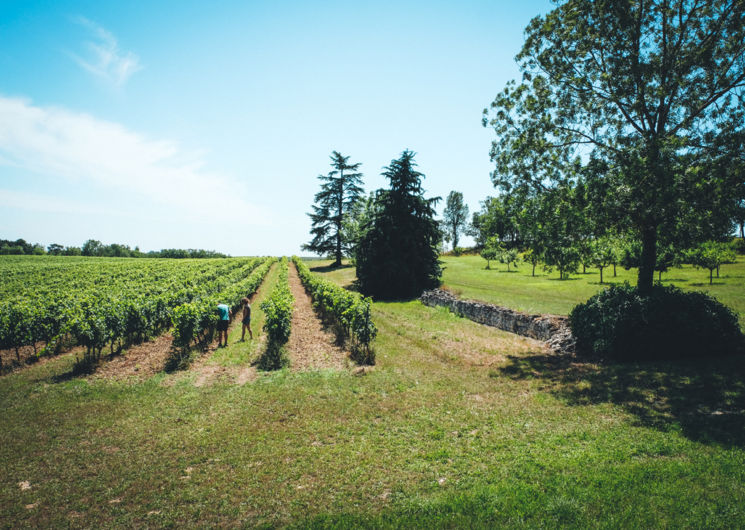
(552, 329)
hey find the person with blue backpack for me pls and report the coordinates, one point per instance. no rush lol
(222, 325)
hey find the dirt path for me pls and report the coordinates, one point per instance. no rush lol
(311, 347)
(207, 371)
(141, 360)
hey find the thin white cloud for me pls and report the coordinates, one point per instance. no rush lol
(103, 56)
(93, 153)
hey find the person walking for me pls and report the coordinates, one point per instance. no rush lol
(246, 319)
(222, 325)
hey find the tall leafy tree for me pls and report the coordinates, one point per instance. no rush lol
(396, 255)
(640, 84)
(340, 191)
(497, 217)
(455, 217)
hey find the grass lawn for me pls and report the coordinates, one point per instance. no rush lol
(545, 293)
(458, 425)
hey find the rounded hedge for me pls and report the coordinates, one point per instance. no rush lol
(619, 323)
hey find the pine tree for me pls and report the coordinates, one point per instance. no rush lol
(340, 190)
(396, 255)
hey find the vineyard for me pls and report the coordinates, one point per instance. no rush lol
(349, 312)
(52, 303)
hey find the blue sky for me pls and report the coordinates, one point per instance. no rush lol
(204, 125)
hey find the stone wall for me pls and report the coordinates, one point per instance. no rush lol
(550, 328)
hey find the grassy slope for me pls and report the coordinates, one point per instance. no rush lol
(545, 293)
(457, 425)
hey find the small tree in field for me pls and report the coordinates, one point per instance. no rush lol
(508, 256)
(711, 255)
(564, 257)
(602, 254)
(533, 257)
(490, 250)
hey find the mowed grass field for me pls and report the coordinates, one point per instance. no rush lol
(546, 293)
(458, 425)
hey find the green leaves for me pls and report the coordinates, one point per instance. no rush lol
(340, 191)
(96, 302)
(278, 308)
(649, 89)
(278, 321)
(192, 319)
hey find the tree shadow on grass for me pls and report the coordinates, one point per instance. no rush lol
(705, 398)
(329, 268)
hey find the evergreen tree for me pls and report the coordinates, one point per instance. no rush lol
(340, 190)
(397, 254)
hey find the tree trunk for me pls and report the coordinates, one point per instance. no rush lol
(601, 274)
(717, 271)
(340, 206)
(659, 277)
(533, 269)
(645, 279)
(614, 270)
(742, 230)
(711, 276)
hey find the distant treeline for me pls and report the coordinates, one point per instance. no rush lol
(93, 247)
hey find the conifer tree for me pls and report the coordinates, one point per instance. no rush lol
(396, 255)
(340, 190)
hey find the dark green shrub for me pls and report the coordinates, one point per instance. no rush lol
(618, 323)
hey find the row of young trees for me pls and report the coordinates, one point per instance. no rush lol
(391, 234)
(559, 230)
(608, 252)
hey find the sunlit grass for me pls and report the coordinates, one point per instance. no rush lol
(545, 293)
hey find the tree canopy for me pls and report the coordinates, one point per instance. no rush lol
(639, 89)
(455, 217)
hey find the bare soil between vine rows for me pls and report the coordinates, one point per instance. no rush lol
(311, 346)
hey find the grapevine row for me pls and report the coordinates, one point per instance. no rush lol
(349, 311)
(195, 321)
(278, 321)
